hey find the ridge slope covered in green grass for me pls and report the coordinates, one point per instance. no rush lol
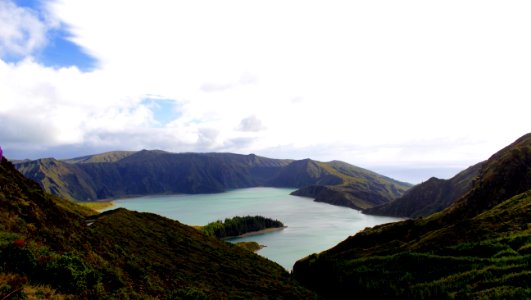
(126, 174)
(429, 197)
(51, 247)
(478, 248)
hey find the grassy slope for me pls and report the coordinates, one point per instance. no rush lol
(122, 174)
(342, 184)
(486, 256)
(249, 246)
(106, 157)
(429, 197)
(96, 205)
(60, 178)
(477, 248)
(47, 247)
(178, 258)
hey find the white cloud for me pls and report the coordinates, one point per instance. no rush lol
(21, 30)
(372, 83)
(251, 124)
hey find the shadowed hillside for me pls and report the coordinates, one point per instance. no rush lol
(123, 174)
(429, 197)
(346, 185)
(52, 247)
(477, 248)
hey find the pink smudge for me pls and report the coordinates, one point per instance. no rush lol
(0, 153)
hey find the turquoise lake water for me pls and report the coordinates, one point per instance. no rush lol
(311, 226)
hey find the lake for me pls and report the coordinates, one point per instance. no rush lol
(311, 226)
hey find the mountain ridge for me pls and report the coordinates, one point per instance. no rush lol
(53, 248)
(478, 247)
(430, 196)
(122, 174)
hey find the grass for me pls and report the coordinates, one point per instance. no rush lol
(251, 246)
(96, 205)
(485, 257)
(48, 251)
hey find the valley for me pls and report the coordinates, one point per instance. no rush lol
(310, 226)
(126, 174)
(476, 248)
(468, 237)
(261, 150)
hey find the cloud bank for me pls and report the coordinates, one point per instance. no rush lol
(370, 83)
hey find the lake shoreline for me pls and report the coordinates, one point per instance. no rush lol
(98, 206)
(258, 232)
(134, 196)
(313, 226)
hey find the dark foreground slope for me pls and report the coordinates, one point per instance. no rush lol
(479, 247)
(429, 197)
(122, 174)
(49, 246)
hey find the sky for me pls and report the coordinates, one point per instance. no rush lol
(411, 89)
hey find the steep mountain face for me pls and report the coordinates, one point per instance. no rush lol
(122, 174)
(53, 247)
(478, 248)
(508, 172)
(303, 173)
(346, 185)
(429, 197)
(59, 178)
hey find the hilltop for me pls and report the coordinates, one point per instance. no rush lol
(478, 247)
(52, 247)
(123, 174)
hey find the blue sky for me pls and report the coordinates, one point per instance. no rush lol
(413, 87)
(164, 110)
(58, 51)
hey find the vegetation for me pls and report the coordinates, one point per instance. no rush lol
(341, 184)
(471, 267)
(478, 248)
(122, 174)
(429, 197)
(239, 225)
(97, 205)
(47, 250)
(251, 246)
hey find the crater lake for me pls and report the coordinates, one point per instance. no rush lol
(311, 226)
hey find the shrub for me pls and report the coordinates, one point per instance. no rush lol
(505, 253)
(71, 275)
(17, 259)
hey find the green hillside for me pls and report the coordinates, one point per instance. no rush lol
(123, 174)
(106, 157)
(346, 185)
(50, 247)
(478, 248)
(59, 178)
(429, 197)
